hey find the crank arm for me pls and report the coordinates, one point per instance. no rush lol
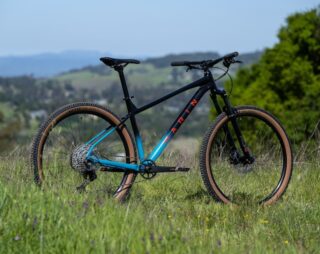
(162, 169)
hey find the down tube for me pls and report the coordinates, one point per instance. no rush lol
(157, 151)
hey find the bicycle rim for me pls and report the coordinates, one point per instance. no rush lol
(64, 137)
(242, 182)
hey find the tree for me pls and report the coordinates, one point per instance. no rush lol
(286, 80)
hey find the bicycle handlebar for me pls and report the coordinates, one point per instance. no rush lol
(207, 63)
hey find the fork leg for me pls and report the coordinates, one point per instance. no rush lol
(231, 112)
(225, 128)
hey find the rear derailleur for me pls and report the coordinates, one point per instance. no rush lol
(88, 176)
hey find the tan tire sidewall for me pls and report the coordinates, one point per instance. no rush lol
(283, 136)
(126, 185)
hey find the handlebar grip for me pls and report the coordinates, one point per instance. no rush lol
(231, 55)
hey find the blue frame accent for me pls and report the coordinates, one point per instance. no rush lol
(159, 148)
(140, 147)
(98, 138)
(154, 155)
(95, 137)
(205, 84)
(113, 164)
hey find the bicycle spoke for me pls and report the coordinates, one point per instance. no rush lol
(73, 132)
(252, 181)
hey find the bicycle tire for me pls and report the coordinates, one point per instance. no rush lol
(67, 111)
(207, 166)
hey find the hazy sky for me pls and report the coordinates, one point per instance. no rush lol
(142, 27)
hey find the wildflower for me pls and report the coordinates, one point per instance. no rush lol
(286, 242)
(264, 221)
(17, 238)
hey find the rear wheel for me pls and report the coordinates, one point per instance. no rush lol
(59, 140)
(228, 176)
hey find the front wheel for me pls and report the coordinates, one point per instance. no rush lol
(229, 175)
(58, 150)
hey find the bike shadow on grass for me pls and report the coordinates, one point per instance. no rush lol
(200, 194)
(242, 198)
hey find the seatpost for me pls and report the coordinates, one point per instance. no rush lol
(119, 69)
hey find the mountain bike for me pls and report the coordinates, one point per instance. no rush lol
(245, 155)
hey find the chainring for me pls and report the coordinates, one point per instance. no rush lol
(148, 175)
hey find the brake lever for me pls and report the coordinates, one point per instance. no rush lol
(190, 67)
(228, 61)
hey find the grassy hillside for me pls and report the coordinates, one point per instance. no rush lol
(170, 214)
(143, 75)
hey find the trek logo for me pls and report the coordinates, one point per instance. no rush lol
(194, 102)
(180, 120)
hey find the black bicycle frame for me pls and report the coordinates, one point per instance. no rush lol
(205, 84)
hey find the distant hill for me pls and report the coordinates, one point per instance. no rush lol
(47, 64)
(52, 64)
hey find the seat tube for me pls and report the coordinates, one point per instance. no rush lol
(137, 138)
(131, 108)
(119, 69)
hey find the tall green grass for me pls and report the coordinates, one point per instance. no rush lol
(170, 214)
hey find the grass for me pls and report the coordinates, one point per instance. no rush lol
(170, 214)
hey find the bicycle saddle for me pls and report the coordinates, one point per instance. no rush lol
(114, 61)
